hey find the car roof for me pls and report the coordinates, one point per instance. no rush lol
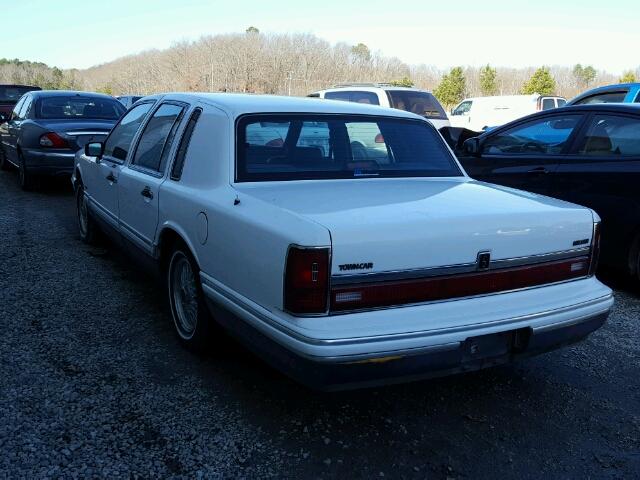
(68, 93)
(605, 88)
(236, 104)
(19, 85)
(371, 88)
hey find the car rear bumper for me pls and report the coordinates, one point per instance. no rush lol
(46, 162)
(407, 354)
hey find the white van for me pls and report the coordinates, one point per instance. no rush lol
(481, 113)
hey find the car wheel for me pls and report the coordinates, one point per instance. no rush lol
(26, 180)
(87, 228)
(191, 317)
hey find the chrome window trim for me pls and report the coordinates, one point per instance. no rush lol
(455, 269)
(74, 133)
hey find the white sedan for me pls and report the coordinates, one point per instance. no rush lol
(342, 267)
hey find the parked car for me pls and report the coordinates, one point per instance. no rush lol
(480, 113)
(620, 93)
(412, 100)
(340, 270)
(128, 100)
(9, 96)
(47, 127)
(587, 154)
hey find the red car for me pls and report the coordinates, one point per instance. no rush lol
(9, 96)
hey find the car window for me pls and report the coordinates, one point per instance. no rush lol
(415, 101)
(548, 104)
(15, 115)
(368, 98)
(78, 106)
(638, 97)
(463, 108)
(26, 106)
(547, 136)
(611, 135)
(155, 142)
(561, 102)
(344, 96)
(317, 146)
(178, 165)
(609, 97)
(119, 141)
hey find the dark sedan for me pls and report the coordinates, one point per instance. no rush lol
(46, 128)
(587, 154)
(9, 96)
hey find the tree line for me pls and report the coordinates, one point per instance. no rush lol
(295, 64)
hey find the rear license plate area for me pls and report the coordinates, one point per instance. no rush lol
(495, 345)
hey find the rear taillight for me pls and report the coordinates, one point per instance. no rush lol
(53, 140)
(306, 281)
(595, 249)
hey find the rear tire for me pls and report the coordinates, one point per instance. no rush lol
(87, 228)
(191, 318)
(27, 181)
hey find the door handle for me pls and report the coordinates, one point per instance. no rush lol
(111, 178)
(541, 170)
(147, 193)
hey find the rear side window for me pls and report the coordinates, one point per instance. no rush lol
(420, 103)
(369, 98)
(155, 143)
(610, 135)
(316, 147)
(178, 165)
(548, 104)
(609, 97)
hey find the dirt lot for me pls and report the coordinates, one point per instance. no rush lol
(94, 383)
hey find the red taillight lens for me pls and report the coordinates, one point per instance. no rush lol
(53, 140)
(402, 292)
(595, 249)
(306, 281)
(379, 138)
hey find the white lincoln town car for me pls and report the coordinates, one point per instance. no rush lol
(342, 242)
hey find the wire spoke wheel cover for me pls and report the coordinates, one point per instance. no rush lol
(183, 295)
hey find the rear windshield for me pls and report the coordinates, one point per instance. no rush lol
(314, 147)
(421, 103)
(11, 94)
(59, 107)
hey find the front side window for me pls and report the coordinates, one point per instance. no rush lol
(15, 115)
(156, 140)
(609, 97)
(119, 141)
(546, 136)
(415, 101)
(463, 108)
(316, 146)
(610, 135)
(77, 106)
(26, 106)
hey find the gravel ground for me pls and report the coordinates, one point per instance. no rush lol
(94, 384)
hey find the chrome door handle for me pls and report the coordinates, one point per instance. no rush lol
(111, 178)
(147, 193)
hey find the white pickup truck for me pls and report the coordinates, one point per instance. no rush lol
(341, 266)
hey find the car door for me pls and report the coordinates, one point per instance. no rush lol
(100, 176)
(10, 132)
(524, 155)
(602, 172)
(140, 179)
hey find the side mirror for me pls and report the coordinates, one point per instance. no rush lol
(95, 149)
(472, 146)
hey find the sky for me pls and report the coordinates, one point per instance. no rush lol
(444, 33)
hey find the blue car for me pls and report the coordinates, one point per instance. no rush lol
(620, 93)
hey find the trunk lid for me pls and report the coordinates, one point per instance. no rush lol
(393, 225)
(79, 132)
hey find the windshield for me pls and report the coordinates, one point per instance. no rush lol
(307, 146)
(11, 94)
(59, 107)
(420, 103)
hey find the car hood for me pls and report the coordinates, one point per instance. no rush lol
(400, 224)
